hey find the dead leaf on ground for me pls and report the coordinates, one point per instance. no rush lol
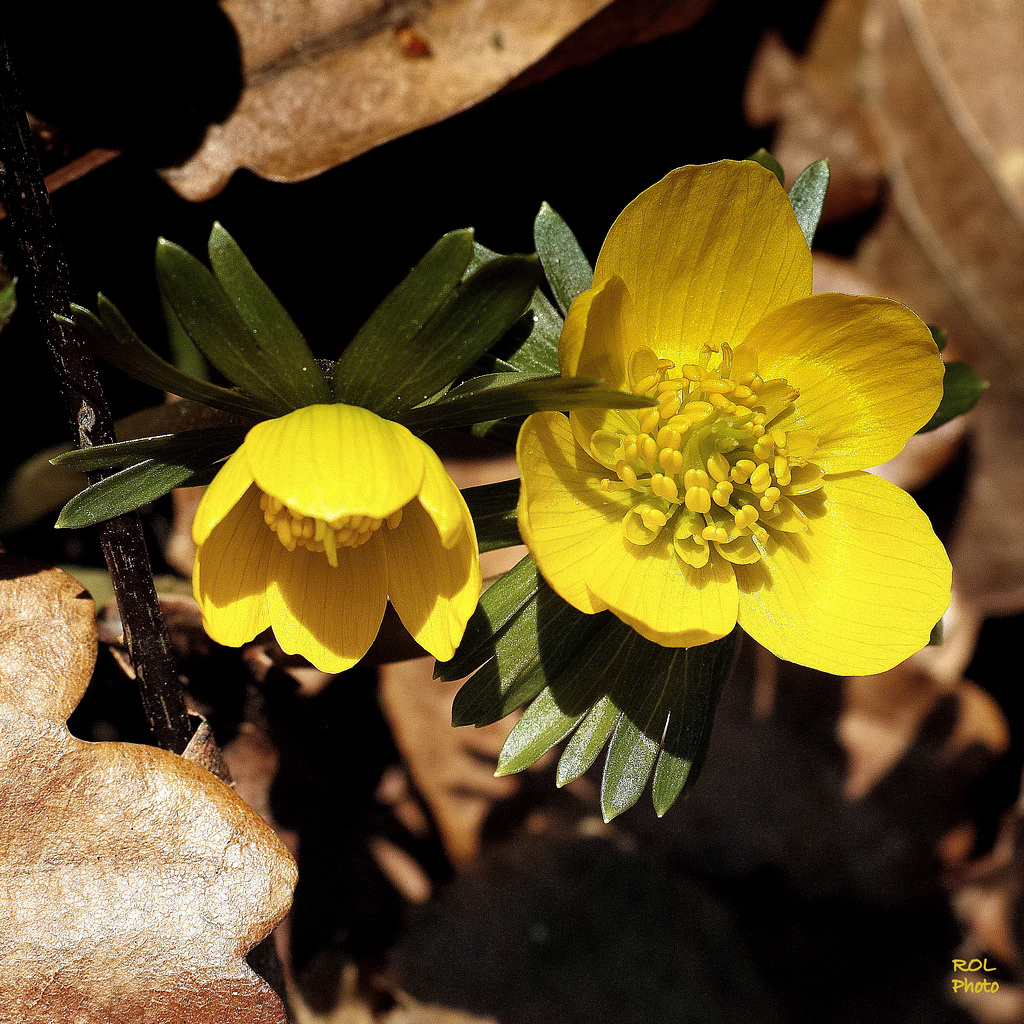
(133, 882)
(329, 81)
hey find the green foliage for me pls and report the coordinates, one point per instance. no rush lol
(961, 389)
(567, 269)
(765, 159)
(109, 335)
(493, 508)
(808, 196)
(591, 678)
(8, 302)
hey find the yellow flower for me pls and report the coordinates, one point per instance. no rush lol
(740, 496)
(317, 520)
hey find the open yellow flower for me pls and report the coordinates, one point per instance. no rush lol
(317, 520)
(741, 496)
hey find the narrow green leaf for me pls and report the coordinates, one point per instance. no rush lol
(961, 389)
(110, 337)
(186, 356)
(567, 269)
(808, 196)
(627, 767)
(765, 159)
(278, 338)
(498, 605)
(586, 742)
(501, 395)
(124, 491)
(8, 301)
(533, 649)
(479, 312)
(206, 444)
(939, 336)
(369, 361)
(705, 670)
(212, 322)
(493, 508)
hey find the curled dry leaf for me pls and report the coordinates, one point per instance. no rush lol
(132, 882)
(327, 81)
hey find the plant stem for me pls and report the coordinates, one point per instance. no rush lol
(43, 288)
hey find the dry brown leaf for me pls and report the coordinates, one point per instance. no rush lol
(133, 881)
(327, 81)
(883, 714)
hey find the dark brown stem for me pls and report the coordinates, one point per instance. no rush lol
(43, 289)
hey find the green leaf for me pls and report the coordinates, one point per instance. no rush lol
(493, 508)
(8, 301)
(704, 671)
(586, 742)
(126, 491)
(110, 336)
(500, 395)
(627, 767)
(479, 312)
(210, 319)
(538, 642)
(206, 444)
(365, 372)
(938, 336)
(961, 389)
(280, 342)
(765, 159)
(498, 605)
(567, 269)
(808, 196)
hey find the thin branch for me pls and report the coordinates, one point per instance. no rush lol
(43, 288)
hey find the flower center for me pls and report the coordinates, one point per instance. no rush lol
(294, 529)
(706, 461)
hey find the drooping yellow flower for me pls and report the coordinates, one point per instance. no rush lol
(741, 496)
(316, 521)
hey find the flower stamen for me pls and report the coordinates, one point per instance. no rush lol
(709, 456)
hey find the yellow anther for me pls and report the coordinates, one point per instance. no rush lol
(649, 421)
(724, 386)
(742, 470)
(745, 517)
(716, 533)
(764, 447)
(779, 437)
(672, 384)
(722, 493)
(666, 364)
(668, 408)
(782, 472)
(665, 487)
(691, 372)
(649, 449)
(629, 449)
(718, 467)
(760, 533)
(653, 518)
(671, 460)
(698, 499)
(695, 478)
(645, 385)
(761, 478)
(757, 430)
(698, 411)
(741, 392)
(680, 423)
(669, 437)
(625, 472)
(756, 382)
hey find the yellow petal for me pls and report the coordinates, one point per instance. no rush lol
(328, 460)
(599, 336)
(329, 615)
(705, 254)
(662, 597)
(232, 565)
(858, 591)
(564, 517)
(443, 502)
(226, 488)
(868, 371)
(433, 587)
